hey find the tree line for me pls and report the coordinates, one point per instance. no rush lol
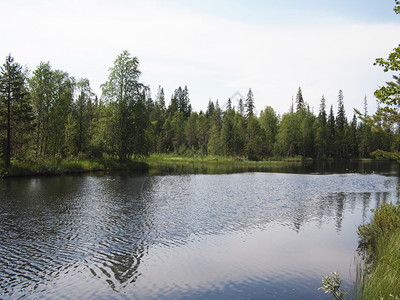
(49, 114)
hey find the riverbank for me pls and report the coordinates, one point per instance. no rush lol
(71, 166)
(217, 160)
(173, 164)
(379, 277)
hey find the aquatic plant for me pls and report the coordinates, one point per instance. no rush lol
(331, 285)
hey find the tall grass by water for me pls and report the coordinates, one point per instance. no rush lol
(55, 166)
(379, 276)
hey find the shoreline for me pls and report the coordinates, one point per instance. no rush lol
(155, 163)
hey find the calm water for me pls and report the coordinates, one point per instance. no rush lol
(227, 236)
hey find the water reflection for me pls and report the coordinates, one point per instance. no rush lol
(296, 167)
(179, 236)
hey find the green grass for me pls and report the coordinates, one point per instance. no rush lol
(68, 166)
(209, 159)
(157, 163)
(379, 276)
(174, 164)
(382, 281)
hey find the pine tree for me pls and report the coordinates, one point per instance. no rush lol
(341, 122)
(249, 104)
(157, 116)
(341, 116)
(181, 97)
(15, 109)
(321, 131)
(352, 138)
(241, 107)
(229, 104)
(365, 139)
(299, 99)
(210, 108)
(322, 111)
(160, 98)
(331, 133)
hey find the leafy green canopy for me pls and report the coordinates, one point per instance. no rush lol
(387, 118)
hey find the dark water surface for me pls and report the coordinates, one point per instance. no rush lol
(227, 236)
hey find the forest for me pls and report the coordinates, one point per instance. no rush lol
(48, 114)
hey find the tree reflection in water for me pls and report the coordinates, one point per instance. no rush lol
(59, 232)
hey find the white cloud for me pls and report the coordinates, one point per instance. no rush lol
(215, 57)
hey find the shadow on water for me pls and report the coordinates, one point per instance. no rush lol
(93, 236)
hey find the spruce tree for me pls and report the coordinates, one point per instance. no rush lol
(321, 131)
(341, 116)
(229, 104)
(15, 109)
(341, 123)
(299, 99)
(331, 133)
(249, 104)
(210, 108)
(322, 111)
(241, 107)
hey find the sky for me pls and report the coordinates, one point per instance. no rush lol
(218, 49)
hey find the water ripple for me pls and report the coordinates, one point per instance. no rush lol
(120, 232)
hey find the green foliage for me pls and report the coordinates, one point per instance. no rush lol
(15, 109)
(61, 117)
(288, 138)
(397, 7)
(380, 243)
(269, 123)
(331, 285)
(299, 100)
(387, 118)
(249, 104)
(385, 221)
(125, 96)
(214, 146)
(228, 133)
(254, 144)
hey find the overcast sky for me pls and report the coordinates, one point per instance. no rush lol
(216, 48)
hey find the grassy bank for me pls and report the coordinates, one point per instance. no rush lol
(70, 166)
(170, 163)
(379, 277)
(156, 163)
(215, 160)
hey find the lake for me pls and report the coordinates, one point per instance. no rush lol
(253, 235)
